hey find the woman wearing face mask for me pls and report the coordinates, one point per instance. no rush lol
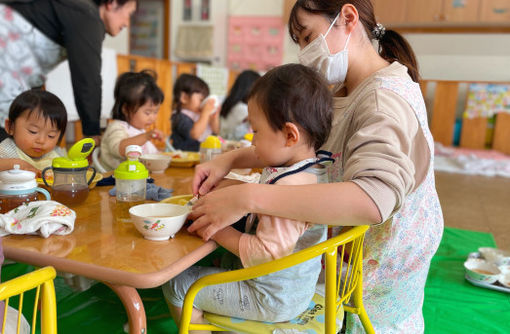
(383, 172)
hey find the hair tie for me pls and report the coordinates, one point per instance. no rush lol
(379, 31)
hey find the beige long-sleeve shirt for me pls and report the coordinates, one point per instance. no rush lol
(383, 149)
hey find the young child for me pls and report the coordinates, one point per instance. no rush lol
(234, 110)
(192, 122)
(290, 112)
(36, 124)
(137, 101)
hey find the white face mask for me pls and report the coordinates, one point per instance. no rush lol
(317, 55)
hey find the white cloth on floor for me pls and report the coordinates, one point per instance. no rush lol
(39, 217)
(473, 162)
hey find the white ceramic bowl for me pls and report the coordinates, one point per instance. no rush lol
(497, 256)
(482, 271)
(156, 163)
(159, 221)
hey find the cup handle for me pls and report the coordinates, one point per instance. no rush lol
(44, 192)
(93, 175)
(43, 178)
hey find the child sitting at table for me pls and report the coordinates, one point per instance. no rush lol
(289, 109)
(36, 124)
(192, 123)
(137, 101)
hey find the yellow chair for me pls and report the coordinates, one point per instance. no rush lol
(324, 317)
(42, 281)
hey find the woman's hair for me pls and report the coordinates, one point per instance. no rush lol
(189, 84)
(133, 90)
(239, 91)
(119, 2)
(392, 46)
(43, 104)
(297, 94)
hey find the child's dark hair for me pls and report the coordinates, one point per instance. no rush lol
(189, 84)
(297, 94)
(44, 104)
(239, 91)
(392, 45)
(133, 90)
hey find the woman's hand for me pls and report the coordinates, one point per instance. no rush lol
(209, 174)
(7, 164)
(219, 209)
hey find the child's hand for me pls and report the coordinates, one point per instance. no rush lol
(155, 134)
(25, 166)
(209, 107)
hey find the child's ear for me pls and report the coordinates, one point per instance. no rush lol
(184, 98)
(291, 133)
(9, 127)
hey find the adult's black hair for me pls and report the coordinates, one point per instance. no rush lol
(42, 103)
(297, 94)
(133, 90)
(239, 91)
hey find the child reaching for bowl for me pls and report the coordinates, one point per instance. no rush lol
(192, 122)
(137, 101)
(289, 109)
(36, 124)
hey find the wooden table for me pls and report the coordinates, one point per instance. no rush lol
(114, 252)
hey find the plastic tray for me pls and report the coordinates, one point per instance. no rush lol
(494, 286)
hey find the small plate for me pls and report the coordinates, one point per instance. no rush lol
(495, 286)
(179, 200)
(184, 159)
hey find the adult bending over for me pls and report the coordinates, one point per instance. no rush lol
(383, 172)
(36, 35)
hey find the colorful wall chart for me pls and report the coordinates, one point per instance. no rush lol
(255, 42)
(486, 100)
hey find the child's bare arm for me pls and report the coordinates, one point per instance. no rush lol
(229, 239)
(141, 139)
(200, 125)
(214, 122)
(6, 164)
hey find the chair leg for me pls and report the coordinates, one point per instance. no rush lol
(363, 316)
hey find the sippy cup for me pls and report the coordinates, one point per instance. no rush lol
(70, 184)
(18, 187)
(130, 183)
(210, 148)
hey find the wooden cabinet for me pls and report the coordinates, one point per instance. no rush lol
(495, 11)
(427, 11)
(461, 11)
(443, 11)
(390, 12)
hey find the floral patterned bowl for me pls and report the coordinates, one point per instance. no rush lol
(159, 221)
(482, 271)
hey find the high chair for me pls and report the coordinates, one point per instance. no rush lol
(325, 314)
(42, 281)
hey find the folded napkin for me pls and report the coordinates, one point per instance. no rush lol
(153, 192)
(39, 217)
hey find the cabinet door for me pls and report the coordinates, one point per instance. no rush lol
(390, 12)
(494, 11)
(465, 11)
(424, 11)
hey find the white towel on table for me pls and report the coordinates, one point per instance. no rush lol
(39, 217)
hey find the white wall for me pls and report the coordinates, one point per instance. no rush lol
(119, 43)
(463, 56)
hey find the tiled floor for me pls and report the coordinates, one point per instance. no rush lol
(476, 203)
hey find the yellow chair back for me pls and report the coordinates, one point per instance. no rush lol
(42, 281)
(343, 289)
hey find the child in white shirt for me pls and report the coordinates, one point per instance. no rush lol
(137, 102)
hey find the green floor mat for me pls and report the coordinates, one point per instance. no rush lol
(452, 305)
